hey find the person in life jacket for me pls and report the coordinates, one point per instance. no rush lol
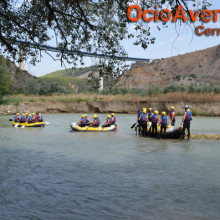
(108, 122)
(163, 123)
(113, 119)
(96, 121)
(23, 118)
(33, 117)
(144, 120)
(187, 118)
(40, 118)
(173, 116)
(139, 122)
(30, 118)
(87, 119)
(82, 122)
(150, 114)
(26, 116)
(155, 119)
(37, 116)
(17, 118)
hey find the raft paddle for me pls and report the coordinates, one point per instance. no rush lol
(133, 125)
(10, 120)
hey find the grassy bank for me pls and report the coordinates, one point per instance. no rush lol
(68, 98)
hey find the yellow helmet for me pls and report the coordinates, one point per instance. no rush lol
(26, 113)
(108, 116)
(17, 114)
(155, 112)
(172, 107)
(85, 115)
(188, 110)
(33, 113)
(163, 113)
(29, 114)
(113, 114)
(95, 116)
(150, 109)
(144, 111)
(40, 114)
(23, 114)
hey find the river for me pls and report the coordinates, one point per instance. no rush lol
(52, 173)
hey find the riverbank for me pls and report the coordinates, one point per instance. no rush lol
(200, 104)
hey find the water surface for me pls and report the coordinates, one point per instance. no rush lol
(52, 173)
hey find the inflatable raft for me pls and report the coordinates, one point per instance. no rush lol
(76, 127)
(28, 125)
(172, 132)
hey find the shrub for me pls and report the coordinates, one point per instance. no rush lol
(193, 76)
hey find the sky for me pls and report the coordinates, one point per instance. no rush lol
(168, 43)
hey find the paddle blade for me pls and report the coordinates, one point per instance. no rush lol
(133, 125)
(10, 120)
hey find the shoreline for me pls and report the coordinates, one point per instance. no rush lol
(211, 108)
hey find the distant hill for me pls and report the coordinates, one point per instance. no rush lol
(75, 72)
(200, 67)
(75, 79)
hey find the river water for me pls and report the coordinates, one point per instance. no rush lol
(52, 173)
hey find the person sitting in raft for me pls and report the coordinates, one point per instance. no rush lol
(33, 117)
(144, 120)
(173, 116)
(96, 121)
(23, 118)
(37, 116)
(82, 122)
(163, 123)
(40, 118)
(108, 122)
(30, 119)
(87, 119)
(187, 118)
(26, 116)
(139, 122)
(113, 119)
(155, 119)
(16, 118)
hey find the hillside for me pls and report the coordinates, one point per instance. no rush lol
(200, 67)
(21, 79)
(80, 73)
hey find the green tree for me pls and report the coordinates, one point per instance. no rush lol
(6, 81)
(96, 26)
(31, 86)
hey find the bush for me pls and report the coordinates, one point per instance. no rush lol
(31, 86)
(193, 76)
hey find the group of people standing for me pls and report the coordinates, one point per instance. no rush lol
(85, 121)
(144, 117)
(29, 118)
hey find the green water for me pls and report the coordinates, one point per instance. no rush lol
(52, 173)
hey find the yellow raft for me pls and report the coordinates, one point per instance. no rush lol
(28, 125)
(76, 127)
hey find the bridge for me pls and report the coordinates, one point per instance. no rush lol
(87, 54)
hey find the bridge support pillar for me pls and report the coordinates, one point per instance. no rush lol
(21, 58)
(101, 79)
